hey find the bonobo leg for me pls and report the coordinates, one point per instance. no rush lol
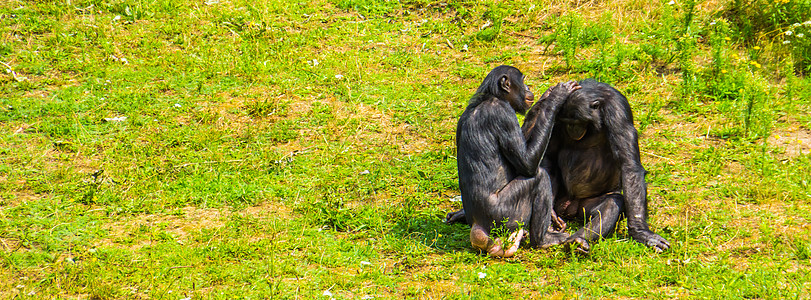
(544, 217)
(513, 204)
(555, 234)
(558, 224)
(522, 200)
(603, 212)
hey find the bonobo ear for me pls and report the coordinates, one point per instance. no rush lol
(595, 103)
(504, 83)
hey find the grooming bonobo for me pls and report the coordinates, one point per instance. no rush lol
(593, 160)
(500, 177)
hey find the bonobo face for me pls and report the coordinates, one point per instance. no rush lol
(529, 97)
(580, 110)
(518, 95)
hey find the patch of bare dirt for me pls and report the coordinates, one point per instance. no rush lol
(795, 140)
(377, 128)
(17, 197)
(193, 219)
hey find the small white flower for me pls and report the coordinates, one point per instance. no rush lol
(486, 24)
(365, 263)
(327, 293)
(339, 76)
(795, 24)
(789, 32)
(482, 275)
(807, 23)
(786, 42)
(799, 35)
(712, 23)
(178, 105)
(366, 297)
(315, 62)
(115, 119)
(116, 18)
(671, 2)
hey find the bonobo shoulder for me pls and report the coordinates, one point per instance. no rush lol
(486, 106)
(494, 104)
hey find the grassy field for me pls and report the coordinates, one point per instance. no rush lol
(222, 149)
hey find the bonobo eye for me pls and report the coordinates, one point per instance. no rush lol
(595, 104)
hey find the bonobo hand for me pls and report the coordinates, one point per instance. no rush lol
(558, 224)
(560, 91)
(650, 239)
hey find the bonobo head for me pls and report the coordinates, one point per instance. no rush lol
(507, 83)
(583, 108)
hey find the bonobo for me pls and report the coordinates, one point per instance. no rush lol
(593, 162)
(500, 178)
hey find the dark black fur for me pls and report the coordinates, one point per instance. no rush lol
(593, 160)
(499, 174)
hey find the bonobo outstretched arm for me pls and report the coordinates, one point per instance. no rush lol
(526, 156)
(538, 125)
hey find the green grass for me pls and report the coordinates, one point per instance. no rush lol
(301, 150)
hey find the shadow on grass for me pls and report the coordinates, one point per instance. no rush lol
(434, 233)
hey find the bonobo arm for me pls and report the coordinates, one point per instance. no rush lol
(542, 115)
(525, 151)
(624, 144)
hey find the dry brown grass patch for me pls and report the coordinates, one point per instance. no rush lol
(193, 219)
(795, 140)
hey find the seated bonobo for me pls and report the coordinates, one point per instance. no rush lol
(593, 161)
(502, 183)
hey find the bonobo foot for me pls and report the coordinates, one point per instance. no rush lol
(650, 239)
(456, 217)
(498, 247)
(553, 238)
(581, 246)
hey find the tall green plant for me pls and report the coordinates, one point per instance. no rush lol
(603, 33)
(568, 37)
(786, 23)
(685, 47)
(571, 34)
